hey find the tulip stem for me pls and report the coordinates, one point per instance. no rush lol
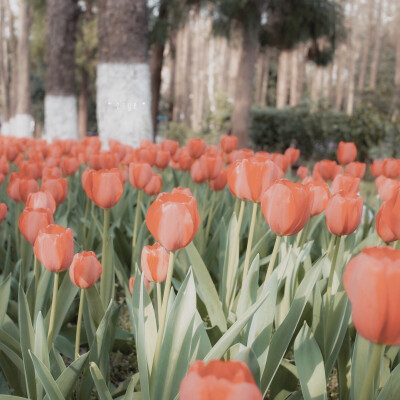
(163, 315)
(135, 228)
(79, 324)
(210, 214)
(274, 254)
(205, 198)
(249, 243)
(36, 272)
(103, 282)
(373, 366)
(53, 309)
(85, 219)
(69, 193)
(17, 235)
(331, 273)
(158, 286)
(305, 234)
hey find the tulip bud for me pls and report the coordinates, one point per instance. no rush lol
(31, 221)
(346, 152)
(85, 269)
(154, 262)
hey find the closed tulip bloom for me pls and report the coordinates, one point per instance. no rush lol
(238, 155)
(281, 160)
(293, 154)
(58, 187)
(327, 169)
(162, 159)
(173, 220)
(170, 145)
(104, 160)
(220, 181)
(85, 269)
(302, 172)
(104, 187)
(386, 187)
(154, 262)
(54, 247)
(356, 169)
(41, 200)
(3, 211)
(286, 207)
(213, 149)
(387, 221)
(219, 380)
(343, 213)
(154, 186)
(346, 152)
(198, 172)
(346, 183)
(372, 281)
(12, 152)
(140, 174)
(51, 172)
(69, 165)
(147, 154)
(20, 187)
(212, 164)
(4, 165)
(391, 168)
(228, 143)
(87, 183)
(196, 147)
(248, 179)
(31, 221)
(319, 196)
(32, 169)
(184, 159)
(132, 282)
(376, 168)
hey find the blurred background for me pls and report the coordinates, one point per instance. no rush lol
(274, 73)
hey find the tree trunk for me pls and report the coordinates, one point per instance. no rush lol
(4, 76)
(339, 77)
(123, 72)
(302, 69)
(173, 66)
(60, 108)
(281, 85)
(83, 105)
(294, 74)
(262, 76)
(235, 54)
(396, 96)
(316, 87)
(23, 118)
(377, 46)
(241, 115)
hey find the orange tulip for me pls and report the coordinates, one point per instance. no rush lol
(387, 221)
(319, 196)
(346, 183)
(184, 159)
(356, 169)
(3, 211)
(391, 168)
(104, 187)
(4, 166)
(281, 160)
(41, 200)
(12, 152)
(20, 187)
(173, 220)
(31, 221)
(376, 168)
(293, 154)
(154, 186)
(69, 165)
(197, 172)
(212, 165)
(185, 191)
(54, 247)
(140, 174)
(343, 213)
(286, 207)
(302, 172)
(154, 262)
(58, 187)
(346, 152)
(132, 282)
(85, 269)
(228, 143)
(196, 147)
(147, 154)
(219, 380)
(32, 170)
(220, 181)
(104, 160)
(372, 281)
(51, 172)
(162, 159)
(237, 155)
(248, 179)
(386, 187)
(170, 145)
(327, 170)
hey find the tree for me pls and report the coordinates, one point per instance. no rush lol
(4, 75)
(60, 101)
(123, 73)
(377, 46)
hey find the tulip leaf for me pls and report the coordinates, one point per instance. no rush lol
(9, 397)
(391, 389)
(95, 305)
(101, 386)
(310, 365)
(4, 297)
(46, 379)
(44, 291)
(206, 288)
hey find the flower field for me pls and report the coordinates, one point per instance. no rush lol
(220, 273)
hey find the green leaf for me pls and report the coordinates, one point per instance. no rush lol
(4, 297)
(101, 386)
(248, 294)
(8, 397)
(206, 288)
(95, 305)
(392, 388)
(43, 291)
(310, 365)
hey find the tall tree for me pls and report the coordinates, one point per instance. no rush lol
(294, 77)
(377, 46)
(396, 97)
(4, 76)
(23, 118)
(123, 73)
(281, 85)
(61, 119)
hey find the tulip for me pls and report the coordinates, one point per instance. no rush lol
(147, 154)
(104, 160)
(140, 174)
(31, 221)
(154, 186)
(197, 172)
(327, 170)
(345, 183)
(387, 221)
(170, 145)
(391, 168)
(237, 155)
(319, 196)
(356, 169)
(343, 213)
(154, 262)
(85, 270)
(302, 172)
(132, 282)
(376, 168)
(212, 165)
(346, 152)
(220, 181)
(228, 143)
(162, 159)
(281, 160)
(186, 191)
(20, 187)
(41, 200)
(293, 154)
(196, 147)
(219, 380)
(51, 172)
(386, 187)
(3, 211)
(58, 187)
(69, 165)
(32, 170)
(184, 159)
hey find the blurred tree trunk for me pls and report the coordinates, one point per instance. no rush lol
(241, 115)
(316, 87)
(396, 96)
(365, 51)
(281, 85)
(83, 105)
(171, 89)
(123, 73)
(339, 77)
(294, 75)
(23, 119)
(61, 119)
(4, 76)
(377, 46)
(302, 68)
(262, 76)
(235, 51)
